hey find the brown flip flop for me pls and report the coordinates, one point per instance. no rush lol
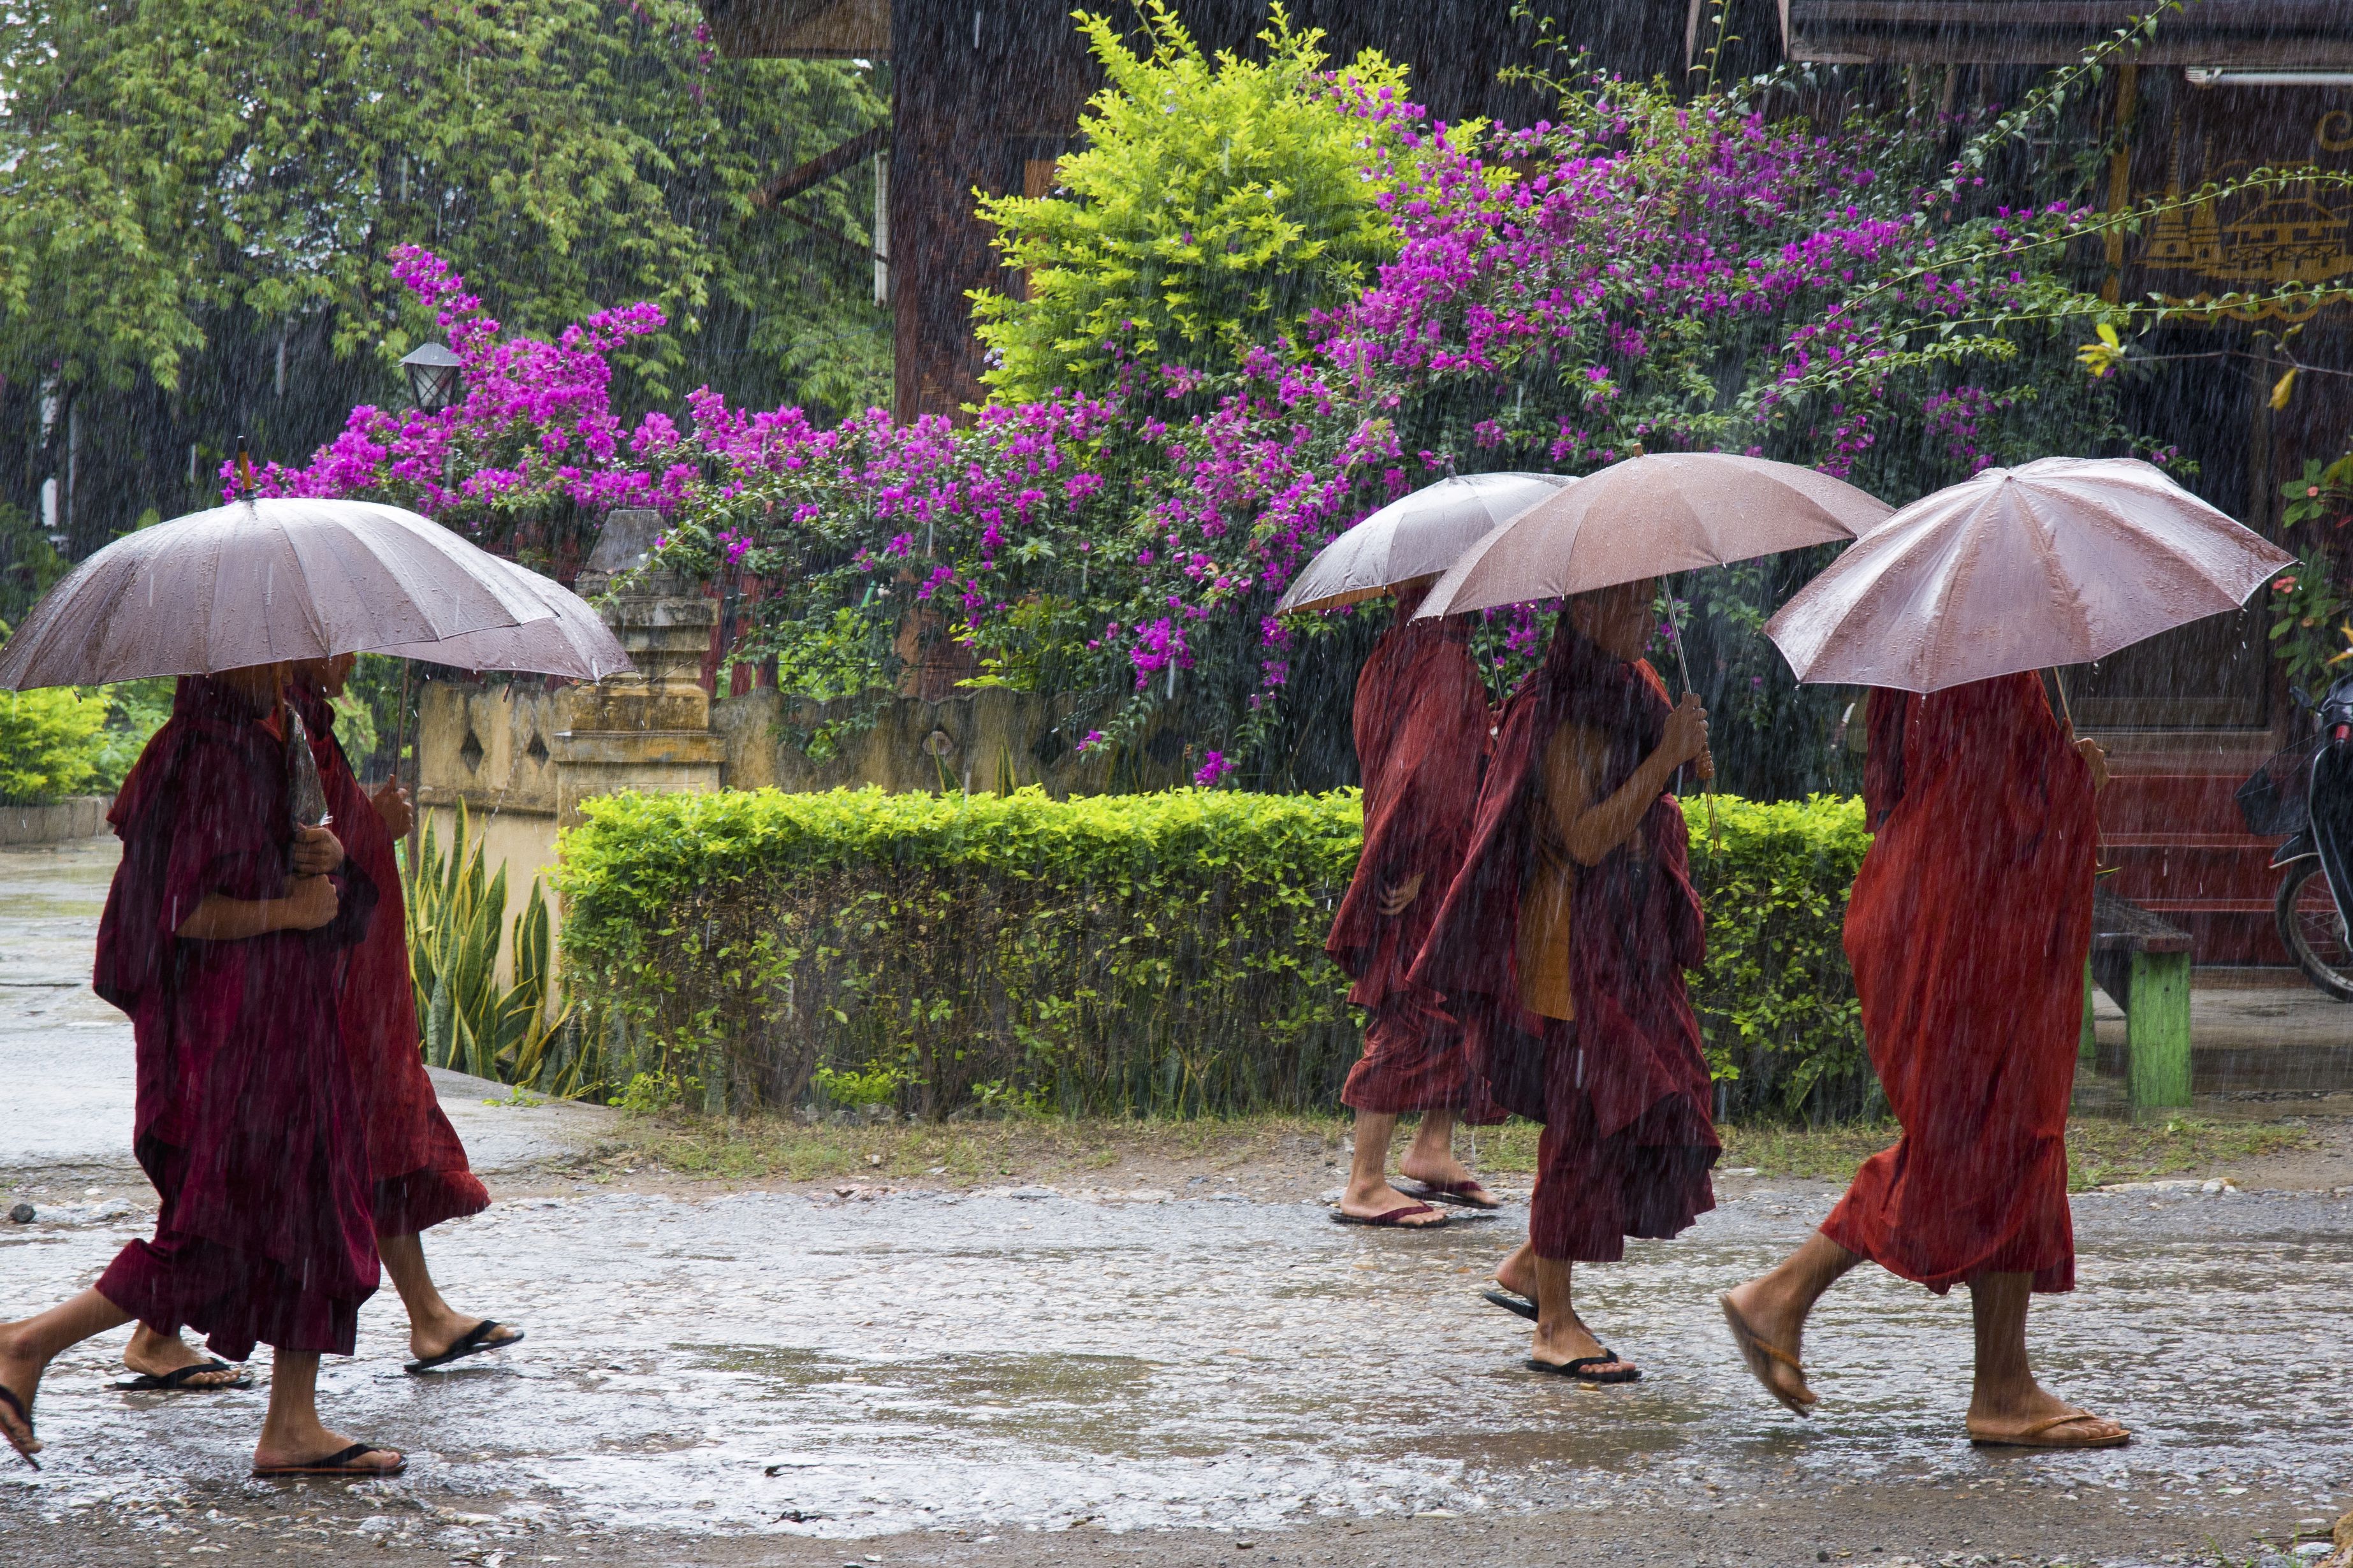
(2035, 1437)
(343, 1462)
(1760, 1357)
(1467, 1194)
(1393, 1219)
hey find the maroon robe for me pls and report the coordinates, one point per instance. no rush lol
(1967, 930)
(1624, 1092)
(419, 1169)
(1421, 723)
(247, 1119)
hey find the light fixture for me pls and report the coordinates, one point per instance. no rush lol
(2222, 76)
(432, 376)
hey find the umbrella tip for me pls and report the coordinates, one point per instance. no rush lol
(244, 471)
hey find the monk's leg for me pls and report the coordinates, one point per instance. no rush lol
(26, 1347)
(434, 1325)
(1518, 1273)
(2005, 1402)
(1772, 1310)
(291, 1433)
(1369, 1194)
(1561, 1335)
(155, 1353)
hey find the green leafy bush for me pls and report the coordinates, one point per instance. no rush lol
(1216, 203)
(1153, 954)
(49, 745)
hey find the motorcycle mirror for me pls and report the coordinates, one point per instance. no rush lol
(2300, 697)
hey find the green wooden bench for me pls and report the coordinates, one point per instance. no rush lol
(2142, 961)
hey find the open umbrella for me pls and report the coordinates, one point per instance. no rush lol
(573, 641)
(2061, 560)
(258, 582)
(1413, 536)
(1650, 517)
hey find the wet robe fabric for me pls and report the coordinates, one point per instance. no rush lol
(247, 1119)
(419, 1169)
(1623, 1091)
(1421, 725)
(1967, 932)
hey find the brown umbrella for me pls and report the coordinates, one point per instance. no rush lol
(1414, 536)
(2061, 560)
(573, 641)
(258, 582)
(1648, 517)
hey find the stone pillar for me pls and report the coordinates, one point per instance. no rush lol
(651, 730)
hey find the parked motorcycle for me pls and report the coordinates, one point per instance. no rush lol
(2306, 793)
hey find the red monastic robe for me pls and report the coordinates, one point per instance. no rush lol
(1966, 931)
(1624, 1091)
(419, 1169)
(1421, 723)
(247, 1119)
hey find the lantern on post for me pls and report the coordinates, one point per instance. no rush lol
(432, 376)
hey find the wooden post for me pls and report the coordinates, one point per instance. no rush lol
(2087, 1052)
(2157, 1034)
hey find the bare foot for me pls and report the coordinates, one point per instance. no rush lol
(1770, 1330)
(1434, 1170)
(1572, 1340)
(1380, 1198)
(20, 1375)
(281, 1450)
(436, 1334)
(2041, 1419)
(151, 1355)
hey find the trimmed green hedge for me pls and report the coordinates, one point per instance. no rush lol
(1149, 953)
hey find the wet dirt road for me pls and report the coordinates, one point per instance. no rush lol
(1029, 1376)
(707, 1379)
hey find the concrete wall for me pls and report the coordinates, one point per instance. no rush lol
(77, 816)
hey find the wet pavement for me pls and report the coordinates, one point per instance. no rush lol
(1019, 1374)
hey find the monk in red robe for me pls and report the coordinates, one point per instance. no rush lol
(222, 938)
(1563, 945)
(419, 1168)
(1967, 930)
(1421, 723)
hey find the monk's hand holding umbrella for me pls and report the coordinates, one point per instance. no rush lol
(1972, 913)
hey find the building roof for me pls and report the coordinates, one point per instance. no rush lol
(2299, 35)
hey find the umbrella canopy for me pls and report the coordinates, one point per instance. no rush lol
(2061, 560)
(1647, 517)
(573, 641)
(1413, 536)
(258, 582)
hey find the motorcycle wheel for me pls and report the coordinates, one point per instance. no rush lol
(2312, 931)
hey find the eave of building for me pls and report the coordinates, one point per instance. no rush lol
(800, 29)
(2309, 35)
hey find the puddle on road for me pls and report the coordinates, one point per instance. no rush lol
(762, 1361)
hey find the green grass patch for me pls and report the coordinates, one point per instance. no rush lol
(1023, 1149)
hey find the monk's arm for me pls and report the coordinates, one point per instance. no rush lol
(1590, 831)
(310, 903)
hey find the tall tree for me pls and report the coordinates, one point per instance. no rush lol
(197, 198)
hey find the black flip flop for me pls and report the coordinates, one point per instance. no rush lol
(1509, 1302)
(473, 1342)
(176, 1379)
(339, 1463)
(1575, 1371)
(1393, 1219)
(9, 1397)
